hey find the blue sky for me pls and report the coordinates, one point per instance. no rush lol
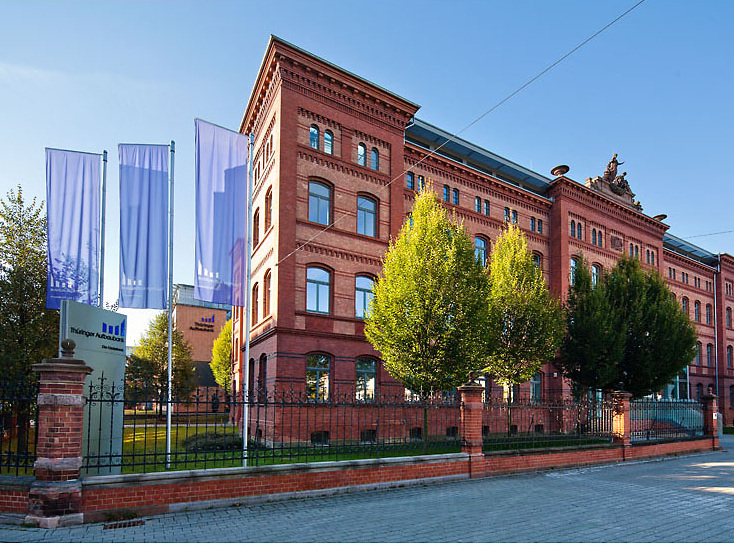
(656, 88)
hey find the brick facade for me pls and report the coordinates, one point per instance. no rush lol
(562, 219)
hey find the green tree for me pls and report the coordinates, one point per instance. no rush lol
(660, 339)
(28, 331)
(221, 363)
(594, 342)
(525, 321)
(147, 372)
(429, 312)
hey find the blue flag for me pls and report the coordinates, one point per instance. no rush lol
(143, 226)
(72, 212)
(221, 214)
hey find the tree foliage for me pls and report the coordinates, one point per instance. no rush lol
(594, 342)
(147, 367)
(627, 333)
(429, 311)
(28, 331)
(221, 363)
(660, 339)
(525, 321)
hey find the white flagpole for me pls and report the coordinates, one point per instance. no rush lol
(248, 297)
(102, 232)
(170, 308)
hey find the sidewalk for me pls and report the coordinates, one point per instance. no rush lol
(686, 499)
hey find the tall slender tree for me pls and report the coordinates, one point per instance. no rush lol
(428, 317)
(525, 321)
(595, 338)
(221, 363)
(28, 331)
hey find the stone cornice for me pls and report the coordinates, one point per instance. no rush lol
(456, 172)
(327, 83)
(567, 188)
(339, 254)
(692, 264)
(332, 162)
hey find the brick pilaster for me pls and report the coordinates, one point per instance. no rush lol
(471, 427)
(710, 419)
(621, 424)
(56, 494)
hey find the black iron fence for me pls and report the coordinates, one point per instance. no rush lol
(656, 420)
(18, 420)
(127, 433)
(527, 423)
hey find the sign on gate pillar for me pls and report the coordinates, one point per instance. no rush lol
(100, 341)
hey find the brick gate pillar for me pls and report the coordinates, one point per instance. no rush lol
(710, 419)
(621, 422)
(471, 427)
(55, 496)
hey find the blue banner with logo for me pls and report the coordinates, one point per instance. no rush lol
(143, 226)
(72, 213)
(221, 214)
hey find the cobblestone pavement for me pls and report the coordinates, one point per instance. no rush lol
(685, 499)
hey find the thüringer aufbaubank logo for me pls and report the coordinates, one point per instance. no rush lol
(115, 333)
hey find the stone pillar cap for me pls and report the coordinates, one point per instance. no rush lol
(65, 362)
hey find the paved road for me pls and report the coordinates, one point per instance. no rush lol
(688, 499)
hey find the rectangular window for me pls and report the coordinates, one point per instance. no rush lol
(317, 377)
(365, 379)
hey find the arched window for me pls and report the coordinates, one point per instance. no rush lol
(268, 208)
(572, 271)
(728, 317)
(684, 305)
(318, 290)
(456, 196)
(699, 391)
(256, 229)
(595, 275)
(540, 226)
(537, 262)
(729, 357)
(593, 236)
(410, 180)
(536, 388)
(697, 311)
(532, 223)
(698, 353)
(579, 233)
(374, 159)
(328, 142)
(731, 396)
(709, 354)
(647, 259)
(255, 292)
(632, 250)
(319, 203)
(266, 293)
(262, 377)
(573, 228)
(486, 207)
(599, 241)
(652, 257)
(366, 379)
(362, 295)
(318, 370)
(708, 314)
(446, 193)
(478, 205)
(480, 250)
(361, 155)
(366, 216)
(313, 140)
(507, 214)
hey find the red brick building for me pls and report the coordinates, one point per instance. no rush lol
(337, 163)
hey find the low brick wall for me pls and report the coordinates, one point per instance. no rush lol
(14, 494)
(156, 493)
